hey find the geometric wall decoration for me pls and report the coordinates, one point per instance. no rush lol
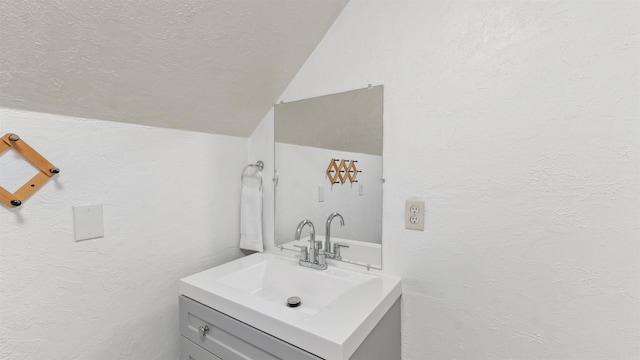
(47, 170)
(339, 171)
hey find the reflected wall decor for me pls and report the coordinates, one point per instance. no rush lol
(338, 172)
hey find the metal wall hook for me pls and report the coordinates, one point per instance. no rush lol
(259, 164)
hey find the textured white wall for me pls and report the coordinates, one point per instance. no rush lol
(518, 124)
(171, 209)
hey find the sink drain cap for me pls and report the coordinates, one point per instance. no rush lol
(293, 301)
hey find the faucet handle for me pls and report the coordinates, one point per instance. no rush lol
(336, 250)
(318, 245)
(322, 258)
(303, 252)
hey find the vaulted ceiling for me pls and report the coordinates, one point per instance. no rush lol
(213, 66)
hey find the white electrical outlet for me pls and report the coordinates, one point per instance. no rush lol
(414, 215)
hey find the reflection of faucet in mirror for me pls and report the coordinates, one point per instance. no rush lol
(314, 258)
(327, 235)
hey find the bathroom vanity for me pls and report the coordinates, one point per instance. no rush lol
(209, 334)
(239, 311)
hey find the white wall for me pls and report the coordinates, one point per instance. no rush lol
(302, 170)
(517, 123)
(171, 209)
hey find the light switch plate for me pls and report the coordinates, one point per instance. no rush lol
(88, 222)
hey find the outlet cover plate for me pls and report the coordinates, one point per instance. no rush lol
(414, 215)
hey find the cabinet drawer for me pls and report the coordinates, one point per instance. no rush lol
(191, 351)
(231, 339)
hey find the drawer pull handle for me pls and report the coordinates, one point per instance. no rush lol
(203, 330)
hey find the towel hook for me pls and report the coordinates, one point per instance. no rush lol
(259, 164)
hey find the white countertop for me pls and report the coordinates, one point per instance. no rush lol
(333, 332)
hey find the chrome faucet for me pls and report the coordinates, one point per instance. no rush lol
(301, 225)
(327, 238)
(313, 257)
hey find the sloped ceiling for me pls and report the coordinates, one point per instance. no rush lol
(213, 66)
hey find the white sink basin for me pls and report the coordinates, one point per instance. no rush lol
(339, 307)
(276, 281)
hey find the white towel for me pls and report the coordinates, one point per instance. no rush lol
(251, 219)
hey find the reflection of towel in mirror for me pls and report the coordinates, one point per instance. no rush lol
(251, 219)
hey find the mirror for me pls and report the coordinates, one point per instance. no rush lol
(328, 158)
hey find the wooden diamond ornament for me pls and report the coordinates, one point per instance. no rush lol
(332, 172)
(342, 171)
(47, 170)
(352, 171)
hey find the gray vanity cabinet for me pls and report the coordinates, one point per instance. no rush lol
(211, 335)
(208, 334)
(190, 351)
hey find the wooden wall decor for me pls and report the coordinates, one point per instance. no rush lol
(47, 170)
(352, 171)
(332, 172)
(339, 172)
